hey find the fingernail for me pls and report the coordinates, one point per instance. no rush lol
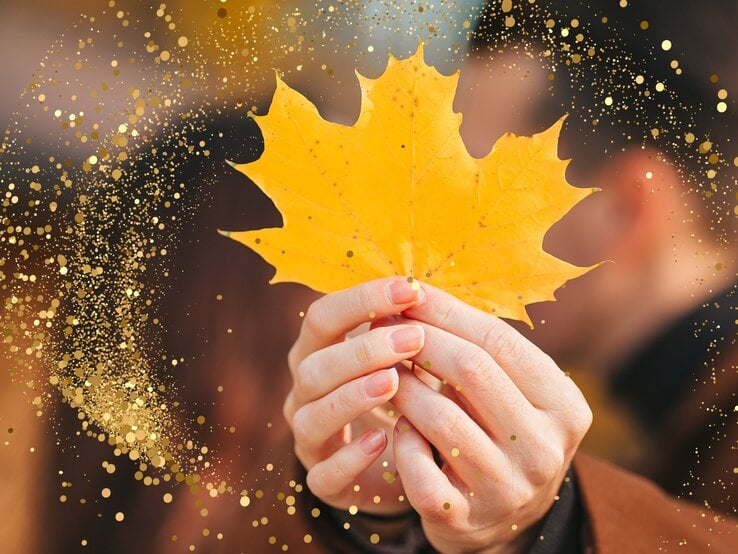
(381, 382)
(404, 291)
(372, 441)
(402, 425)
(407, 339)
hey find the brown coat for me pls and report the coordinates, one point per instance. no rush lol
(627, 513)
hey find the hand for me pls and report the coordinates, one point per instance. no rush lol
(507, 428)
(339, 383)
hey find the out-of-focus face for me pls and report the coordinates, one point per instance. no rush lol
(500, 95)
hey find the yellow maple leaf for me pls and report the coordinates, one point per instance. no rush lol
(397, 193)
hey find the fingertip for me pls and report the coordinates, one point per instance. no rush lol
(394, 376)
(403, 425)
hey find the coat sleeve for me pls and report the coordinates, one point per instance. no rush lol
(626, 513)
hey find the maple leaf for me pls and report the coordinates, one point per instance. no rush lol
(397, 193)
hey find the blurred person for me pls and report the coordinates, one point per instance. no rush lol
(659, 321)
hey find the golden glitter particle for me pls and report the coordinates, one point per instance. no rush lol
(315, 512)
(200, 419)
(388, 477)
(182, 41)
(120, 516)
(649, 175)
(372, 315)
(722, 107)
(513, 437)
(353, 510)
(514, 527)
(377, 499)
(644, 25)
(105, 493)
(446, 506)
(722, 94)
(608, 101)
(374, 538)
(666, 45)
(245, 501)
(167, 498)
(735, 161)
(455, 452)
(689, 138)
(307, 539)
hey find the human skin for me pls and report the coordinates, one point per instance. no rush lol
(506, 422)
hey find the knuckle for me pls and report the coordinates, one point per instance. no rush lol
(547, 464)
(342, 468)
(447, 316)
(503, 345)
(520, 497)
(449, 419)
(292, 360)
(287, 409)
(301, 427)
(472, 364)
(582, 420)
(433, 507)
(303, 455)
(314, 318)
(366, 297)
(364, 348)
(305, 376)
(345, 397)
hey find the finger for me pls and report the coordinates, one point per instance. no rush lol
(329, 318)
(490, 395)
(533, 371)
(470, 452)
(335, 365)
(316, 422)
(334, 474)
(427, 488)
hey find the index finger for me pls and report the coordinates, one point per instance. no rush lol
(329, 318)
(531, 369)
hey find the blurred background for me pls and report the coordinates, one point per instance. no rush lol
(145, 365)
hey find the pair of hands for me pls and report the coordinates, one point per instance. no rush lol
(506, 422)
